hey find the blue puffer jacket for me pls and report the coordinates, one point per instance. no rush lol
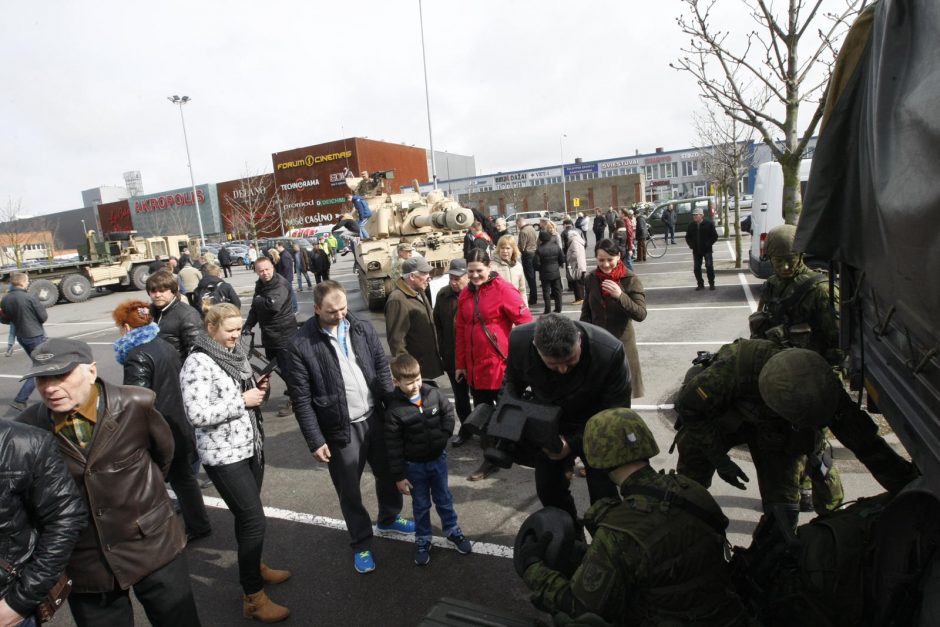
(316, 385)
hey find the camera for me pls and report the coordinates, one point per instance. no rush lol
(515, 430)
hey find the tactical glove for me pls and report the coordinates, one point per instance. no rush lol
(532, 551)
(731, 473)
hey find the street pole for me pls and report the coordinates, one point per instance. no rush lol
(427, 99)
(564, 187)
(189, 163)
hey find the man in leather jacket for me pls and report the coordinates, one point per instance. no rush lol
(179, 322)
(41, 517)
(118, 449)
(581, 368)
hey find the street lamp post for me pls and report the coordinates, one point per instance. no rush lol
(189, 163)
(564, 188)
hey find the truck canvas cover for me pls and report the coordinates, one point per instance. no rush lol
(872, 199)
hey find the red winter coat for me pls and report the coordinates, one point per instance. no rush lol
(501, 307)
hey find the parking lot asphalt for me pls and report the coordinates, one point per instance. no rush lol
(305, 528)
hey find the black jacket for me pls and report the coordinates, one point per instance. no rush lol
(417, 434)
(22, 309)
(42, 514)
(701, 236)
(549, 259)
(271, 308)
(224, 257)
(156, 366)
(207, 286)
(445, 325)
(316, 384)
(600, 380)
(179, 325)
(285, 265)
(319, 261)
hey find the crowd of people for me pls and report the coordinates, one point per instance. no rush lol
(190, 397)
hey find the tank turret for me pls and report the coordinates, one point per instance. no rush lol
(432, 224)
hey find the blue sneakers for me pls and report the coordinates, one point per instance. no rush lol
(462, 545)
(399, 525)
(423, 553)
(363, 562)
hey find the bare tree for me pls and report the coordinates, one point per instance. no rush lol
(17, 233)
(725, 144)
(254, 207)
(760, 79)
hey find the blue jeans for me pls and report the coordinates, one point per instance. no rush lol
(28, 344)
(429, 482)
(363, 234)
(30, 621)
(239, 485)
(670, 233)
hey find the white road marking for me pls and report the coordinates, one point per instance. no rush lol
(747, 293)
(479, 548)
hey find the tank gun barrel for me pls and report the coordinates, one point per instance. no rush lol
(454, 219)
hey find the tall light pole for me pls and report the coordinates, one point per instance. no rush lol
(564, 187)
(427, 97)
(189, 163)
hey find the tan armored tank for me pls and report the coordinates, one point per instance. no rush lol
(433, 224)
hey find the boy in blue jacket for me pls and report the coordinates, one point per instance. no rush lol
(419, 422)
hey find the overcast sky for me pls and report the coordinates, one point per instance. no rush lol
(85, 85)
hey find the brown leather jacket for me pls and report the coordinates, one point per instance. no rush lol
(133, 528)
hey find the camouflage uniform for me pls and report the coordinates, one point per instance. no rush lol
(796, 311)
(657, 557)
(723, 407)
(788, 305)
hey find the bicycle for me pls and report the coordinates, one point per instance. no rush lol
(654, 249)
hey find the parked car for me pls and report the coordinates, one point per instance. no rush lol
(683, 207)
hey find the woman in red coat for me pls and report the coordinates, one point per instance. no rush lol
(486, 312)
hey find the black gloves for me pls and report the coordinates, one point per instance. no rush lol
(531, 551)
(731, 473)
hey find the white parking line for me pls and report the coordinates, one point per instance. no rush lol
(747, 293)
(479, 548)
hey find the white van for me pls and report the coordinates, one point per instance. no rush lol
(767, 211)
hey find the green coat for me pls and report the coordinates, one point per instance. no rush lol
(650, 562)
(409, 328)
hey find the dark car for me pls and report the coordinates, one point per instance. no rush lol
(683, 208)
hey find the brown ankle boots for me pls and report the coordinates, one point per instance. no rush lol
(259, 607)
(273, 576)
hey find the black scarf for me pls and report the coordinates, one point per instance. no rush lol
(234, 362)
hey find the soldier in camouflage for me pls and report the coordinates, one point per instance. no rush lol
(657, 557)
(777, 401)
(795, 309)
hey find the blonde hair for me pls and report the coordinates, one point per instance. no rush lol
(509, 239)
(211, 269)
(217, 314)
(19, 279)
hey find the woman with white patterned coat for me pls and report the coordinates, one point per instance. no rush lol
(223, 402)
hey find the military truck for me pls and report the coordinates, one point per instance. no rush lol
(872, 208)
(122, 261)
(434, 224)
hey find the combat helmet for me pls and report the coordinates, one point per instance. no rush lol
(618, 436)
(780, 241)
(800, 386)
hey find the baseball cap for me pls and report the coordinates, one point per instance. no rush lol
(415, 264)
(57, 356)
(405, 246)
(698, 211)
(458, 267)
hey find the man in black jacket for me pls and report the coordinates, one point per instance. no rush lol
(41, 517)
(580, 368)
(212, 290)
(179, 323)
(700, 237)
(27, 315)
(225, 261)
(339, 376)
(272, 310)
